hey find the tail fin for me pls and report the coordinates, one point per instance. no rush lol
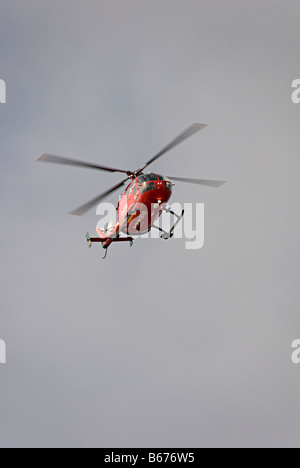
(88, 239)
(92, 240)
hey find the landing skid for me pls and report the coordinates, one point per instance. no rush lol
(168, 235)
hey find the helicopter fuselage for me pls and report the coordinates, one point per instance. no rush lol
(142, 203)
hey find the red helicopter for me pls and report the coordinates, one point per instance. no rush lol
(143, 201)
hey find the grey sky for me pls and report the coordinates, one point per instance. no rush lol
(158, 346)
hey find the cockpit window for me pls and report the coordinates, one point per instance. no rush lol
(129, 191)
(147, 187)
(141, 179)
(160, 177)
(146, 178)
(169, 186)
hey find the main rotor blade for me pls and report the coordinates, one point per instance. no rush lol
(51, 158)
(95, 201)
(208, 183)
(183, 136)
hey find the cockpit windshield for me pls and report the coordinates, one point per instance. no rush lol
(146, 178)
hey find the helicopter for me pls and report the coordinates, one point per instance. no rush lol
(145, 199)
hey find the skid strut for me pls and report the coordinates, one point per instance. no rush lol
(168, 235)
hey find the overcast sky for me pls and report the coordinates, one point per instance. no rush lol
(158, 346)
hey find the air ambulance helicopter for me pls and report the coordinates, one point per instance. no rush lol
(149, 190)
